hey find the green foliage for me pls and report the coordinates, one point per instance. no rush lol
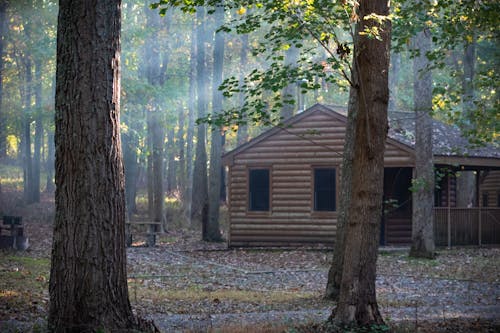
(453, 26)
(320, 32)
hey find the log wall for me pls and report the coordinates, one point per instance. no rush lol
(315, 139)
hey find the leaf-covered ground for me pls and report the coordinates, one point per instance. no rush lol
(186, 284)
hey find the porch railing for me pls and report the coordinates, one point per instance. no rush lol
(466, 226)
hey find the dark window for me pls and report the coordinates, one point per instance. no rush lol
(259, 190)
(324, 189)
(485, 199)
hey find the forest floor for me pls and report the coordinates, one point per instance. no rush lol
(184, 284)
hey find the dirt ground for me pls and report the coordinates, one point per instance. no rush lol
(184, 284)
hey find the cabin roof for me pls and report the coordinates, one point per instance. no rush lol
(448, 143)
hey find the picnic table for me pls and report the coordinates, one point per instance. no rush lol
(12, 233)
(136, 227)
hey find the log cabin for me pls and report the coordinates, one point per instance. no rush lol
(283, 185)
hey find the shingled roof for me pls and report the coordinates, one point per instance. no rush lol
(449, 146)
(447, 140)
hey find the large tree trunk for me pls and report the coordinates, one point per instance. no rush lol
(171, 165)
(212, 230)
(199, 202)
(423, 182)
(88, 277)
(3, 120)
(357, 299)
(335, 273)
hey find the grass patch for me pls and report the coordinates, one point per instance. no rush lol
(23, 286)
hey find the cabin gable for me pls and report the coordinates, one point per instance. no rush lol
(293, 154)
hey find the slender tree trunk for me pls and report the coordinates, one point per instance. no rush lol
(171, 165)
(357, 302)
(188, 198)
(423, 182)
(50, 186)
(131, 170)
(3, 118)
(38, 132)
(394, 80)
(26, 139)
(88, 277)
(336, 269)
(290, 91)
(199, 202)
(242, 135)
(155, 76)
(182, 181)
(212, 230)
(466, 182)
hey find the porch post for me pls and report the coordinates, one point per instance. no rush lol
(448, 218)
(479, 226)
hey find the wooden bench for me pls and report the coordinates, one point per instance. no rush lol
(150, 233)
(15, 233)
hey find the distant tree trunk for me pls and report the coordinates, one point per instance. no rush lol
(466, 182)
(357, 299)
(242, 135)
(50, 186)
(3, 118)
(213, 233)
(131, 167)
(336, 269)
(190, 125)
(182, 181)
(26, 138)
(171, 164)
(394, 80)
(199, 202)
(155, 76)
(88, 276)
(38, 132)
(423, 182)
(290, 91)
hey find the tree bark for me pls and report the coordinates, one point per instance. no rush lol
(88, 277)
(423, 182)
(213, 233)
(357, 300)
(171, 164)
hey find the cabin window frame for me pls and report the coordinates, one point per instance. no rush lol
(249, 210)
(313, 189)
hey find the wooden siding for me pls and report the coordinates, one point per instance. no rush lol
(490, 186)
(291, 153)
